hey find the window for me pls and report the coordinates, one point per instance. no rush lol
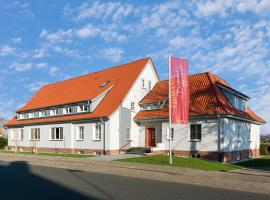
(238, 131)
(21, 134)
(35, 134)
(143, 83)
(80, 133)
(68, 110)
(97, 132)
(82, 108)
(132, 105)
(36, 114)
(12, 134)
(149, 85)
(128, 134)
(172, 133)
(56, 111)
(104, 83)
(195, 132)
(44, 113)
(249, 131)
(57, 133)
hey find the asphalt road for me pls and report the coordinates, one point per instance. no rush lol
(20, 181)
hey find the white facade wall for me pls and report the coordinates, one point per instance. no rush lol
(69, 137)
(135, 95)
(181, 141)
(242, 141)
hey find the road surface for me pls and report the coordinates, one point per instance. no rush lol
(18, 180)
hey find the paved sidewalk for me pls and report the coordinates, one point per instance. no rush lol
(114, 157)
(256, 181)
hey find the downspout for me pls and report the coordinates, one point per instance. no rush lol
(104, 145)
(219, 138)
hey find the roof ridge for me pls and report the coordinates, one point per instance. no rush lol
(97, 71)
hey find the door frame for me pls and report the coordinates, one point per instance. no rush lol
(147, 139)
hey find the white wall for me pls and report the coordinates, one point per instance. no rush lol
(69, 134)
(181, 141)
(231, 140)
(135, 95)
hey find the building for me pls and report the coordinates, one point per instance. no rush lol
(3, 131)
(126, 106)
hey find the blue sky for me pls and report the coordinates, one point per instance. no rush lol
(47, 41)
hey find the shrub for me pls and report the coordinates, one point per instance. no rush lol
(3, 142)
(265, 149)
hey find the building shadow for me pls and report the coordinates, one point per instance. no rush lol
(18, 182)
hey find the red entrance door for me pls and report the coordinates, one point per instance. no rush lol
(151, 137)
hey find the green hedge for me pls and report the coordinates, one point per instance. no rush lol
(265, 149)
(3, 142)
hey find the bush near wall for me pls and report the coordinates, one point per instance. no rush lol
(3, 142)
(265, 149)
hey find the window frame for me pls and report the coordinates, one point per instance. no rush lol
(21, 135)
(172, 133)
(149, 85)
(37, 134)
(128, 134)
(79, 134)
(95, 138)
(143, 83)
(54, 134)
(132, 106)
(196, 138)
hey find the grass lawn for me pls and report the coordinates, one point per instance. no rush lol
(50, 154)
(194, 163)
(262, 162)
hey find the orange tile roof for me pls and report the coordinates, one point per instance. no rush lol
(84, 88)
(206, 99)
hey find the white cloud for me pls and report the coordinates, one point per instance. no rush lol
(260, 7)
(6, 50)
(87, 31)
(112, 36)
(112, 54)
(41, 65)
(58, 36)
(53, 71)
(214, 7)
(16, 40)
(33, 87)
(21, 67)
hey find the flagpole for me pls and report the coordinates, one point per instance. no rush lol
(170, 120)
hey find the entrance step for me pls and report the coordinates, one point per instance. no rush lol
(139, 150)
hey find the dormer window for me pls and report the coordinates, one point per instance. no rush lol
(68, 110)
(82, 108)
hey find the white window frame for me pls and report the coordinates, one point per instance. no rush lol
(132, 106)
(12, 134)
(82, 108)
(53, 134)
(195, 139)
(80, 133)
(150, 85)
(172, 133)
(37, 134)
(21, 135)
(128, 134)
(99, 134)
(143, 83)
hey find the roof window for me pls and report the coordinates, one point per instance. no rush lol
(104, 84)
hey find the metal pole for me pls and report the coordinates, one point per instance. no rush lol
(170, 126)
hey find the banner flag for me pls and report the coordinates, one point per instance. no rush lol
(179, 90)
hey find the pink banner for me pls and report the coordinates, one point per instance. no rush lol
(179, 88)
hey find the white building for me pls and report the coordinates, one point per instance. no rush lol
(126, 106)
